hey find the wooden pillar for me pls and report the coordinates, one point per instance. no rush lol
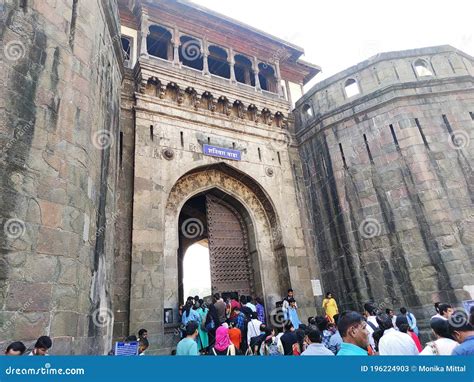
(144, 32)
(176, 45)
(231, 61)
(256, 72)
(278, 78)
(205, 51)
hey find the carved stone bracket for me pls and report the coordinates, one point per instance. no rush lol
(181, 95)
(222, 105)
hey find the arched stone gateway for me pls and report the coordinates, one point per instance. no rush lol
(260, 226)
(251, 251)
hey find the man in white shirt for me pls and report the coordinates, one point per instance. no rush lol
(394, 342)
(369, 312)
(42, 346)
(444, 311)
(286, 303)
(250, 305)
(253, 327)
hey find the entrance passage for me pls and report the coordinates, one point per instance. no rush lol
(197, 270)
(214, 219)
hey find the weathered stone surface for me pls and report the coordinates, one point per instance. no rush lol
(52, 173)
(99, 171)
(64, 323)
(21, 297)
(384, 177)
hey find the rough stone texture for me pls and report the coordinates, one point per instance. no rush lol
(93, 252)
(391, 216)
(61, 76)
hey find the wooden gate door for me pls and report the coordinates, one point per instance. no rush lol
(228, 249)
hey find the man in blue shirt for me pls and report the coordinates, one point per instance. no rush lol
(461, 326)
(335, 341)
(188, 345)
(355, 336)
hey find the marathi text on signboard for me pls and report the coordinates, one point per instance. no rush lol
(220, 152)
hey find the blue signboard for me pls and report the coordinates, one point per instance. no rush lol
(220, 152)
(126, 348)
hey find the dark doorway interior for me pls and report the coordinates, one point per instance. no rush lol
(213, 218)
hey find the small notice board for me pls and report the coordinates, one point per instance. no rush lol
(126, 348)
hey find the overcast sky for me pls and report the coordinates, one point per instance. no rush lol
(337, 34)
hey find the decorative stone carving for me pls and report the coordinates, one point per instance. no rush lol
(269, 171)
(212, 105)
(197, 101)
(240, 110)
(228, 108)
(168, 154)
(181, 95)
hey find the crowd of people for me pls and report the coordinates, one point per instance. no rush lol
(238, 327)
(41, 347)
(44, 344)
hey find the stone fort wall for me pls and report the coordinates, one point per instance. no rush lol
(387, 171)
(61, 71)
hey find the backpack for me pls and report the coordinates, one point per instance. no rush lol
(272, 348)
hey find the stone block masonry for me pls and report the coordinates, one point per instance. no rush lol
(61, 78)
(388, 177)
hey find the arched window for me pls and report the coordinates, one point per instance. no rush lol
(422, 68)
(267, 78)
(243, 70)
(158, 43)
(190, 53)
(127, 50)
(217, 61)
(351, 87)
(307, 111)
